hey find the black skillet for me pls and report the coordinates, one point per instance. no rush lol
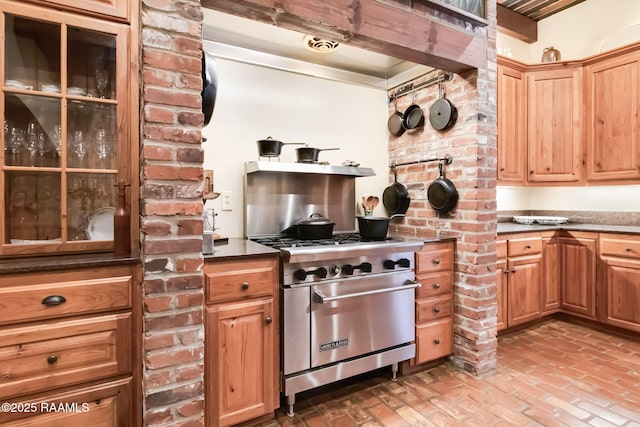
(442, 194)
(442, 114)
(395, 197)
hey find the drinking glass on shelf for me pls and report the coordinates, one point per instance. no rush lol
(56, 138)
(79, 148)
(102, 81)
(17, 143)
(103, 143)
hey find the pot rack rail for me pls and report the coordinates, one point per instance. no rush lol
(447, 159)
(412, 87)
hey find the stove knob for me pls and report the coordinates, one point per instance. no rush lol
(347, 269)
(300, 274)
(389, 264)
(321, 272)
(334, 269)
(366, 267)
(404, 262)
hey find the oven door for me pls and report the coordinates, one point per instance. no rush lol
(353, 317)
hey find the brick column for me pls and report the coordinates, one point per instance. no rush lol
(171, 207)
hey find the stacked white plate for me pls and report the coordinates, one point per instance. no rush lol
(543, 220)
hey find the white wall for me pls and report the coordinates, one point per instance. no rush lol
(254, 102)
(578, 32)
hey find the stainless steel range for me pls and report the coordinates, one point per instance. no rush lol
(347, 304)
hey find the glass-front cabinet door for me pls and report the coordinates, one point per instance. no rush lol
(65, 116)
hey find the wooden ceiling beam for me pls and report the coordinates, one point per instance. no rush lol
(516, 25)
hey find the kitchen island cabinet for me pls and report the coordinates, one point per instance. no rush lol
(241, 338)
(619, 280)
(71, 336)
(434, 301)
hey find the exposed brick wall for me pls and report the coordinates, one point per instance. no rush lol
(472, 143)
(171, 209)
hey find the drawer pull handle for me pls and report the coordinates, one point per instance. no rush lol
(628, 249)
(528, 247)
(52, 359)
(268, 320)
(436, 341)
(513, 271)
(436, 286)
(53, 300)
(436, 309)
(245, 286)
(436, 261)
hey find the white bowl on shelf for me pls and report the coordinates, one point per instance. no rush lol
(15, 84)
(77, 91)
(50, 88)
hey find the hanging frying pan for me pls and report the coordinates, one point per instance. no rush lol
(442, 114)
(395, 197)
(442, 194)
(394, 123)
(413, 116)
(209, 85)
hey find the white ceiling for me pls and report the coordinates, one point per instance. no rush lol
(245, 40)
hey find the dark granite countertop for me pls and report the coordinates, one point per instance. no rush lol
(62, 262)
(511, 227)
(237, 247)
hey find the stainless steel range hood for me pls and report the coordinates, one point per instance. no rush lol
(314, 168)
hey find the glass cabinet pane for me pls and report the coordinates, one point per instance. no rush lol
(32, 208)
(33, 132)
(91, 64)
(32, 54)
(91, 204)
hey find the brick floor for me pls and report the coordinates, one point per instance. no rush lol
(551, 374)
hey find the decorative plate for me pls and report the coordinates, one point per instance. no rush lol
(100, 225)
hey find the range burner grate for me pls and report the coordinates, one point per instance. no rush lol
(288, 242)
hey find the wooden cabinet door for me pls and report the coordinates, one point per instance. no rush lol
(613, 117)
(511, 125)
(242, 372)
(501, 294)
(552, 264)
(622, 286)
(579, 275)
(525, 279)
(554, 108)
(115, 8)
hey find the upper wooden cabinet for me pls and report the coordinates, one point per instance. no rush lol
(118, 9)
(512, 123)
(554, 137)
(612, 92)
(65, 104)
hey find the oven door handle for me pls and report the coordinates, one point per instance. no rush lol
(321, 298)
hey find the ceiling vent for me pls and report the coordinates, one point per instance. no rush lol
(318, 44)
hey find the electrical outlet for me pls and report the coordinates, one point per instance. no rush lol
(226, 200)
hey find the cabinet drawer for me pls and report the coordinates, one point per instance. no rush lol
(428, 309)
(434, 257)
(620, 246)
(525, 246)
(105, 405)
(36, 297)
(237, 280)
(433, 340)
(55, 354)
(433, 284)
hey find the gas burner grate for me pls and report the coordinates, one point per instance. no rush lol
(288, 242)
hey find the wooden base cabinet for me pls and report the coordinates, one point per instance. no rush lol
(241, 335)
(434, 302)
(71, 338)
(619, 281)
(579, 274)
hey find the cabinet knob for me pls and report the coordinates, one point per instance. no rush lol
(268, 320)
(53, 300)
(436, 286)
(501, 169)
(245, 286)
(531, 172)
(628, 249)
(436, 341)
(528, 247)
(436, 261)
(436, 309)
(52, 359)
(513, 271)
